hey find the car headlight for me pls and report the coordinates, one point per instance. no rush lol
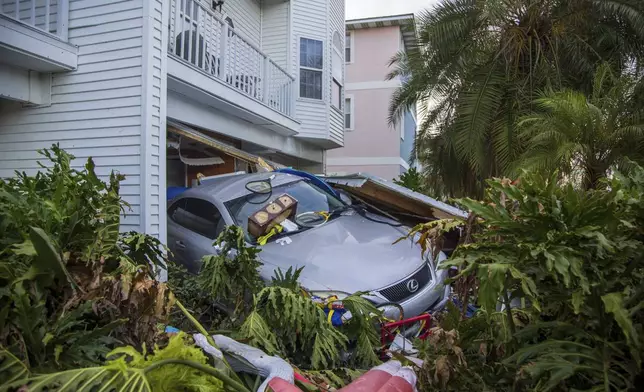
(392, 312)
(326, 294)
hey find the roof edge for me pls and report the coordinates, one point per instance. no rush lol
(395, 20)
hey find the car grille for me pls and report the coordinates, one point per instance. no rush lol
(400, 291)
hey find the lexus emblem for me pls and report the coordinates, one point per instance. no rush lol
(412, 285)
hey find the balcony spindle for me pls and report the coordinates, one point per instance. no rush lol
(47, 9)
(223, 45)
(211, 45)
(62, 19)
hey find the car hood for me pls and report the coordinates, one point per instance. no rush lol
(348, 253)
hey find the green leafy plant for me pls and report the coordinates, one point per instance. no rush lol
(412, 179)
(586, 137)
(557, 274)
(232, 275)
(178, 366)
(288, 280)
(69, 282)
(286, 322)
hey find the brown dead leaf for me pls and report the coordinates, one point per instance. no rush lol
(460, 356)
(483, 349)
(160, 300)
(442, 370)
(451, 337)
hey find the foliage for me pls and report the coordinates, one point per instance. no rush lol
(557, 274)
(178, 366)
(69, 283)
(583, 136)
(232, 275)
(288, 323)
(479, 64)
(289, 279)
(412, 180)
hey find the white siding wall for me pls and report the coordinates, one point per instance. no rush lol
(109, 108)
(336, 24)
(309, 20)
(275, 32)
(246, 16)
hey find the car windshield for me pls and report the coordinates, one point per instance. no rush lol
(310, 198)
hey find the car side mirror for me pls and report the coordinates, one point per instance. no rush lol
(219, 248)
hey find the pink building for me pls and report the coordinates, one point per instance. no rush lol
(370, 144)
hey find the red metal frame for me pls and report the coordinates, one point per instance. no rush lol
(388, 330)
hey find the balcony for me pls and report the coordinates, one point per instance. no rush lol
(33, 35)
(213, 64)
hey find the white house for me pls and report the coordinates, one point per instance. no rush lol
(159, 90)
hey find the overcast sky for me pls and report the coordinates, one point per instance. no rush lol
(366, 8)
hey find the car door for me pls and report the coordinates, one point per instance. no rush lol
(194, 224)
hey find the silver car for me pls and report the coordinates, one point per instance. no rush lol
(352, 249)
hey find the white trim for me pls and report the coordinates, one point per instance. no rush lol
(402, 18)
(201, 87)
(352, 48)
(38, 50)
(146, 115)
(366, 161)
(404, 163)
(352, 125)
(372, 85)
(289, 50)
(165, 32)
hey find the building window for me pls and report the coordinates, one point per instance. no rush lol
(311, 65)
(348, 47)
(336, 92)
(348, 114)
(337, 68)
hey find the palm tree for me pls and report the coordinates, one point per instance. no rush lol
(479, 64)
(585, 137)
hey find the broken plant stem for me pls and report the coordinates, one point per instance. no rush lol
(209, 338)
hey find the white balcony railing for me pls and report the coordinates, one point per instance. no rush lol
(50, 16)
(199, 37)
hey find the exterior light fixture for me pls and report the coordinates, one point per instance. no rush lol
(217, 4)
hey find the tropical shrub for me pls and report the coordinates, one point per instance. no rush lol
(70, 282)
(179, 366)
(585, 137)
(557, 275)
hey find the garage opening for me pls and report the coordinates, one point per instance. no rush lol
(193, 156)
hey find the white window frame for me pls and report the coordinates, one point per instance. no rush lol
(352, 112)
(300, 67)
(352, 47)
